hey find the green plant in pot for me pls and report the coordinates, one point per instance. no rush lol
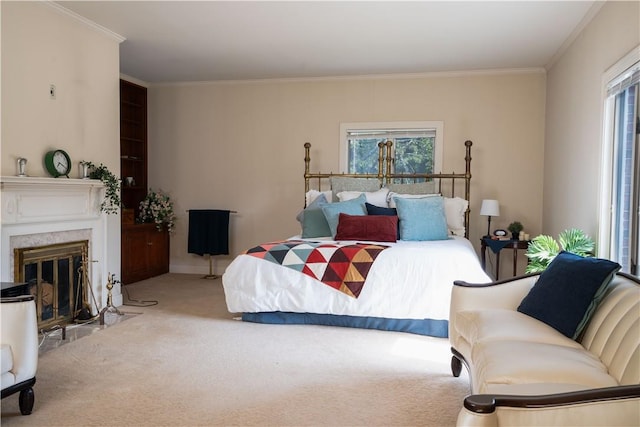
(543, 249)
(515, 228)
(111, 203)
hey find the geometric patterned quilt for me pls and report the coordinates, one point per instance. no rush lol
(342, 266)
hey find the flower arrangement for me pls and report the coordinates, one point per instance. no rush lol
(157, 207)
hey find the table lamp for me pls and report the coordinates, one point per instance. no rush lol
(489, 208)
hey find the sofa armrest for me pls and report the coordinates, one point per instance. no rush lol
(487, 403)
(606, 406)
(19, 329)
(503, 294)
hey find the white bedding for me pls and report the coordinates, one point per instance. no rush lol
(409, 280)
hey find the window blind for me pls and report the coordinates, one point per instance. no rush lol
(390, 133)
(627, 79)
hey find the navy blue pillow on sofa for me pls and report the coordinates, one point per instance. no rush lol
(568, 292)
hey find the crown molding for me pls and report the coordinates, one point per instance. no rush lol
(89, 23)
(437, 74)
(591, 13)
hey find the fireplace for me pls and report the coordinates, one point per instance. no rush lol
(50, 212)
(55, 275)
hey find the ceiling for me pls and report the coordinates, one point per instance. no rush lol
(180, 41)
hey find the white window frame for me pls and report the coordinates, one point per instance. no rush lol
(607, 182)
(438, 126)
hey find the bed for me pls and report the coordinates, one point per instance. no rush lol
(376, 251)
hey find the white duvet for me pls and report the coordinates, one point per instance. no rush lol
(409, 280)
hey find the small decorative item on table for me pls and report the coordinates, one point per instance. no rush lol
(500, 234)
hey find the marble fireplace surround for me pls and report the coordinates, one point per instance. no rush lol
(43, 211)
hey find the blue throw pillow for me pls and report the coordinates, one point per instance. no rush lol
(378, 210)
(332, 211)
(568, 292)
(422, 219)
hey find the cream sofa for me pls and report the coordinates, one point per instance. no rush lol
(19, 349)
(524, 372)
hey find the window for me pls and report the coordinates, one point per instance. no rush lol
(417, 146)
(620, 208)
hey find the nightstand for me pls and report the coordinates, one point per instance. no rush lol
(497, 246)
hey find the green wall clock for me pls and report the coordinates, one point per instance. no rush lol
(58, 163)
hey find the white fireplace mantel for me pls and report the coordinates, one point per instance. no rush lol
(33, 200)
(54, 210)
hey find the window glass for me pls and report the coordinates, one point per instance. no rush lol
(417, 147)
(620, 198)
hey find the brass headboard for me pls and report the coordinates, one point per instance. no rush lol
(446, 182)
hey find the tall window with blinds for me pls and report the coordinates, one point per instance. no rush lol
(622, 128)
(417, 146)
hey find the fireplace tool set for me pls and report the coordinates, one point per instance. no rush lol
(84, 315)
(109, 308)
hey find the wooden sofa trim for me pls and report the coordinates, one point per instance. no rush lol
(19, 298)
(26, 398)
(464, 284)
(456, 363)
(488, 403)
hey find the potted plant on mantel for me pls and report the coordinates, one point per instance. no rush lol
(111, 203)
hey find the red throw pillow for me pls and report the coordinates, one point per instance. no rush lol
(375, 228)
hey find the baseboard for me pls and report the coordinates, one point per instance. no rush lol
(218, 267)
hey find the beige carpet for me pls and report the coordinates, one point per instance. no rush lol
(186, 362)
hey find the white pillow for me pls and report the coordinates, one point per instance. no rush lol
(392, 203)
(454, 210)
(378, 198)
(311, 195)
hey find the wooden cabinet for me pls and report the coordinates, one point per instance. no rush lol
(133, 144)
(144, 249)
(145, 252)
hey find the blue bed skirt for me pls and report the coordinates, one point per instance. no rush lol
(434, 328)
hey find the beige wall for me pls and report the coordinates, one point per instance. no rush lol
(43, 46)
(574, 117)
(239, 146)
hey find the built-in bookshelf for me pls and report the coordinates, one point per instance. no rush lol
(133, 144)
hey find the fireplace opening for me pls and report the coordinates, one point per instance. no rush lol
(56, 278)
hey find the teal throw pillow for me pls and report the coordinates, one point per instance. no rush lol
(332, 211)
(313, 205)
(422, 219)
(313, 221)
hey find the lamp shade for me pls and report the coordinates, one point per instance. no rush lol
(490, 208)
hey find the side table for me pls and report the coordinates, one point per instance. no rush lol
(497, 246)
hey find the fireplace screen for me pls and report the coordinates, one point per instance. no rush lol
(56, 278)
